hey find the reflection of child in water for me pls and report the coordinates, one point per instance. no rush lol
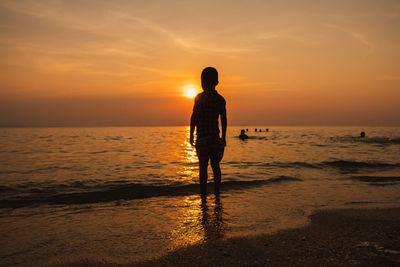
(243, 135)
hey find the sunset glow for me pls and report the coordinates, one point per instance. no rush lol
(126, 62)
(209, 133)
(191, 92)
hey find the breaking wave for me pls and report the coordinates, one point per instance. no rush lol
(341, 165)
(37, 194)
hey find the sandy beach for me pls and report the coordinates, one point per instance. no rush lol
(369, 237)
(351, 237)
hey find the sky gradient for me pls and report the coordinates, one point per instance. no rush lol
(121, 63)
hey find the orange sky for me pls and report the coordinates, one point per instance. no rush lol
(77, 63)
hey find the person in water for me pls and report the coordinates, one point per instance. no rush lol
(209, 106)
(242, 135)
(362, 134)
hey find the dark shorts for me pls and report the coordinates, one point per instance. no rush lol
(210, 148)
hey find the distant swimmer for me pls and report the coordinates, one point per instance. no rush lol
(255, 129)
(267, 130)
(260, 130)
(362, 134)
(242, 135)
(247, 129)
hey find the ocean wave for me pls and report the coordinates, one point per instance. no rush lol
(47, 136)
(367, 140)
(378, 180)
(5, 189)
(98, 152)
(118, 190)
(371, 164)
(342, 165)
(44, 169)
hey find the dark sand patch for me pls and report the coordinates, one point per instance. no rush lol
(335, 238)
(352, 237)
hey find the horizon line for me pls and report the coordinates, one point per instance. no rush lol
(233, 125)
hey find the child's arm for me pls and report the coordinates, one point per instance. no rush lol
(193, 121)
(223, 125)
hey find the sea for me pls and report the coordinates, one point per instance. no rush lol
(127, 194)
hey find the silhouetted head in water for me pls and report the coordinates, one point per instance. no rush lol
(209, 78)
(243, 135)
(362, 134)
(260, 130)
(247, 129)
(266, 130)
(255, 129)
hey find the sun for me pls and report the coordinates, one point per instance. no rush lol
(191, 92)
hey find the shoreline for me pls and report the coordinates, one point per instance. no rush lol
(334, 237)
(341, 237)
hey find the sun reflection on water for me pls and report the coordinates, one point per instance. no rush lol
(189, 149)
(190, 168)
(201, 220)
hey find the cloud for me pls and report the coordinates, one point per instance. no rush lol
(180, 41)
(360, 37)
(283, 36)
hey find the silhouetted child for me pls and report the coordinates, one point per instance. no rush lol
(242, 135)
(208, 107)
(362, 134)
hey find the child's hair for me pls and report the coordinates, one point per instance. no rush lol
(210, 75)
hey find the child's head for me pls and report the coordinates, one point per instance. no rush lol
(242, 131)
(209, 78)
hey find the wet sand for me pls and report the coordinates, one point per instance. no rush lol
(368, 237)
(352, 237)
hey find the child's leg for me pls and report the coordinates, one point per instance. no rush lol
(215, 158)
(217, 174)
(216, 155)
(203, 166)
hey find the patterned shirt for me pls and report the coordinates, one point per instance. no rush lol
(208, 105)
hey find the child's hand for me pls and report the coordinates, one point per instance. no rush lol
(223, 140)
(191, 139)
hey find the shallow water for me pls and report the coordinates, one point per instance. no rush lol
(130, 193)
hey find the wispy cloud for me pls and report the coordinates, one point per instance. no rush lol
(55, 14)
(284, 35)
(180, 40)
(360, 37)
(249, 84)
